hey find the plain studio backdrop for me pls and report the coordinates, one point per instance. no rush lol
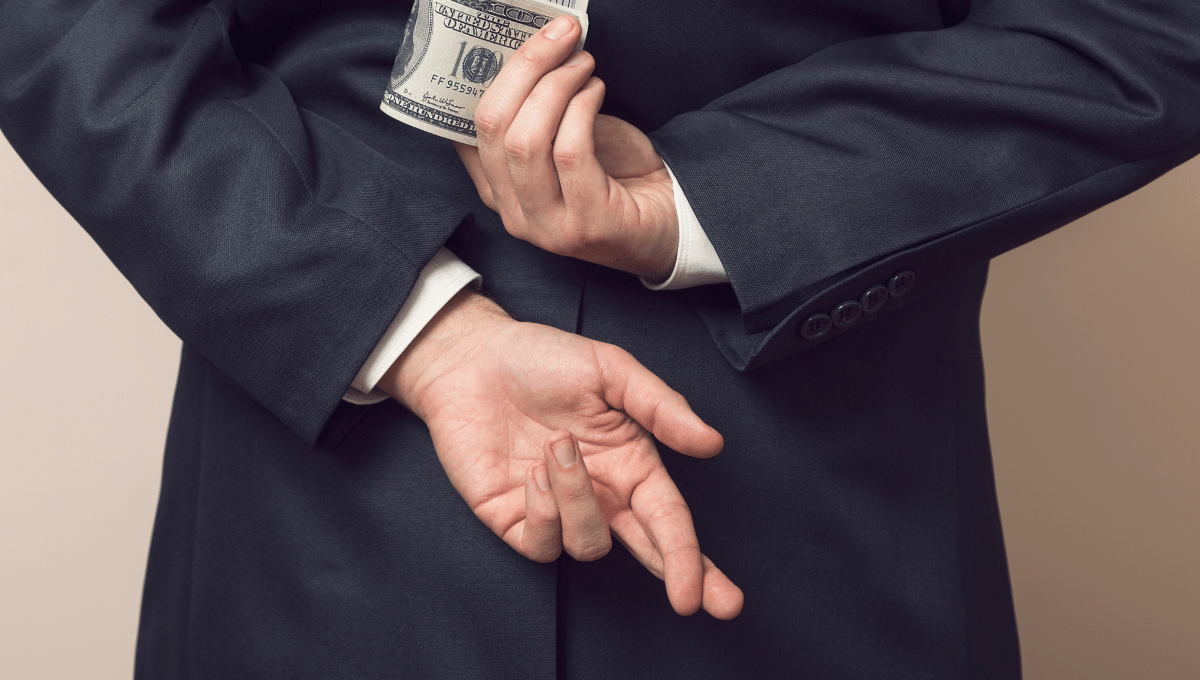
(1093, 365)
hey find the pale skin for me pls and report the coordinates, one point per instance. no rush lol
(563, 177)
(548, 436)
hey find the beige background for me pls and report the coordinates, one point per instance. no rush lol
(1090, 337)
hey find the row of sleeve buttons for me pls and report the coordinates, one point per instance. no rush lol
(874, 299)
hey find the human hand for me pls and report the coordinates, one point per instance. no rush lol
(546, 435)
(563, 177)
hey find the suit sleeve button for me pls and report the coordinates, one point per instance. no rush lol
(846, 313)
(815, 327)
(874, 299)
(902, 283)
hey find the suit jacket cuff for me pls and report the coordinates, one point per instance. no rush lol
(696, 261)
(438, 281)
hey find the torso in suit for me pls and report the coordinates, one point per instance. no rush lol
(232, 161)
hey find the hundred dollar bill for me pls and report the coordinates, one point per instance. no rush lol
(451, 53)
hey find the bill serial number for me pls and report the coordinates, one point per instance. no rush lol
(456, 86)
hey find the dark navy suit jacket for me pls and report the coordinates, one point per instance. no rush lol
(230, 158)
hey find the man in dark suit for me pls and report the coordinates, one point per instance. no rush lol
(230, 159)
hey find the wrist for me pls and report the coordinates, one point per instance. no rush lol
(659, 251)
(666, 252)
(664, 265)
(458, 330)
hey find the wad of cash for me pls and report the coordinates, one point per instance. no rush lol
(451, 53)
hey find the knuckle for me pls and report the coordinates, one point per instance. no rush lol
(521, 148)
(572, 240)
(568, 156)
(487, 123)
(567, 77)
(533, 55)
(593, 91)
(592, 549)
(688, 550)
(577, 491)
(545, 554)
(547, 514)
(515, 228)
(577, 236)
(670, 511)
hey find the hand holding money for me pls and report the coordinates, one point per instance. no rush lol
(580, 184)
(452, 51)
(563, 177)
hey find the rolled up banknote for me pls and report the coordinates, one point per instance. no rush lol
(451, 53)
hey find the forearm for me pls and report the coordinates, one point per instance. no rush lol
(926, 151)
(273, 241)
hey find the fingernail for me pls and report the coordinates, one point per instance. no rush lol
(564, 451)
(541, 477)
(577, 59)
(558, 28)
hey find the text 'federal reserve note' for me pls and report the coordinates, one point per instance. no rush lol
(451, 53)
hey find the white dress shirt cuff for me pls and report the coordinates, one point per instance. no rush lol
(439, 281)
(696, 261)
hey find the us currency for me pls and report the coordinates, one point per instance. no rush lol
(451, 53)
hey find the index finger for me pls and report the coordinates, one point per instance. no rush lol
(631, 387)
(540, 54)
(661, 510)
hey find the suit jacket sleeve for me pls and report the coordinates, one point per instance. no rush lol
(270, 240)
(927, 151)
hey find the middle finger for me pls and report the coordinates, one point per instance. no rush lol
(530, 139)
(664, 515)
(540, 54)
(584, 528)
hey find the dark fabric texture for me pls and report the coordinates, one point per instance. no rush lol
(231, 159)
(926, 150)
(870, 546)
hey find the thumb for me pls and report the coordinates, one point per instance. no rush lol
(632, 388)
(623, 150)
